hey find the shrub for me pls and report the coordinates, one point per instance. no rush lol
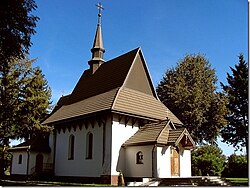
(207, 160)
(236, 167)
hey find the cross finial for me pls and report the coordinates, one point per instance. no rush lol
(100, 8)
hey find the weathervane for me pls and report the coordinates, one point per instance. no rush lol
(100, 8)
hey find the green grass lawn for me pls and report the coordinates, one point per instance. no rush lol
(238, 181)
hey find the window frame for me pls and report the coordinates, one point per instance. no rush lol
(89, 145)
(20, 159)
(71, 147)
(139, 157)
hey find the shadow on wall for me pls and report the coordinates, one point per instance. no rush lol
(120, 167)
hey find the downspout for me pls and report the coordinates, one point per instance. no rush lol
(28, 161)
(153, 159)
(54, 152)
(11, 164)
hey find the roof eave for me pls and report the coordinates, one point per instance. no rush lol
(19, 148)
(78, 117)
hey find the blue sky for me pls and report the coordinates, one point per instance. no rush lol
(166, 30)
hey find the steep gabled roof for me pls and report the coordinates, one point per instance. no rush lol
(122, 85)
(160, 133)
(108, 76)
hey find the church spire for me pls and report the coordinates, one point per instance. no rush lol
(97, 49)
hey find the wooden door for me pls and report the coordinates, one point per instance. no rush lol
(175, 162)
(39, 163)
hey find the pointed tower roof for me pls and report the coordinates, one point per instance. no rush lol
(97, 49)
(98, 44)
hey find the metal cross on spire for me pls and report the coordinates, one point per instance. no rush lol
(100, 8)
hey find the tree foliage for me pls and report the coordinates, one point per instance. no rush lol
(25, 100)
(207, 160)
(236, 167)
(17, 25)
(236, 132)
(16, 28)
(188, 90)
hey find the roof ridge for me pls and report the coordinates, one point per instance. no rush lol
(161, 132)
(115, 98)
(130, 68)
(149, 75)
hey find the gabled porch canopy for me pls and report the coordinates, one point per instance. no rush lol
(161, 133)
(180, 136)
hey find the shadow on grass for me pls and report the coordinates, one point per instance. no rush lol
(46, 183)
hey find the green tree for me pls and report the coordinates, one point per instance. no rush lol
(189, 91)
(207, 160)
(24, 102)
(35, 103)
(17, 25)
(236, 167)
(236, 132)
(16, 28)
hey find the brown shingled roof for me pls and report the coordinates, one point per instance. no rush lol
(159, 133)
(135, 102)
(105, 90)
(108, 76)
(90, 105)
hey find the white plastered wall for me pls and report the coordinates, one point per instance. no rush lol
(185, 162)
(80, 166)
(120, 133)
(163, 162)
(20, 169)
(139, 170)
(32, 160)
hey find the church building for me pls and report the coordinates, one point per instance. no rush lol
(113, 122)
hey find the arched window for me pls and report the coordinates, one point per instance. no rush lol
(20, 158)
(89, 146)
(139, 158)
(71, 147)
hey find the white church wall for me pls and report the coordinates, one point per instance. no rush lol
(120, 133)
(185, 162)
(163, 162)
(138, 170)
(32, 160)
(16, 168)
(30, 157)
(79, 166)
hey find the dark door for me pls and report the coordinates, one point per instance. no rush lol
(39, 163)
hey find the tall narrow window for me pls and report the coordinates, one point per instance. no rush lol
(139, 158)
(71, 147)
(20, 158)
(89, 144)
